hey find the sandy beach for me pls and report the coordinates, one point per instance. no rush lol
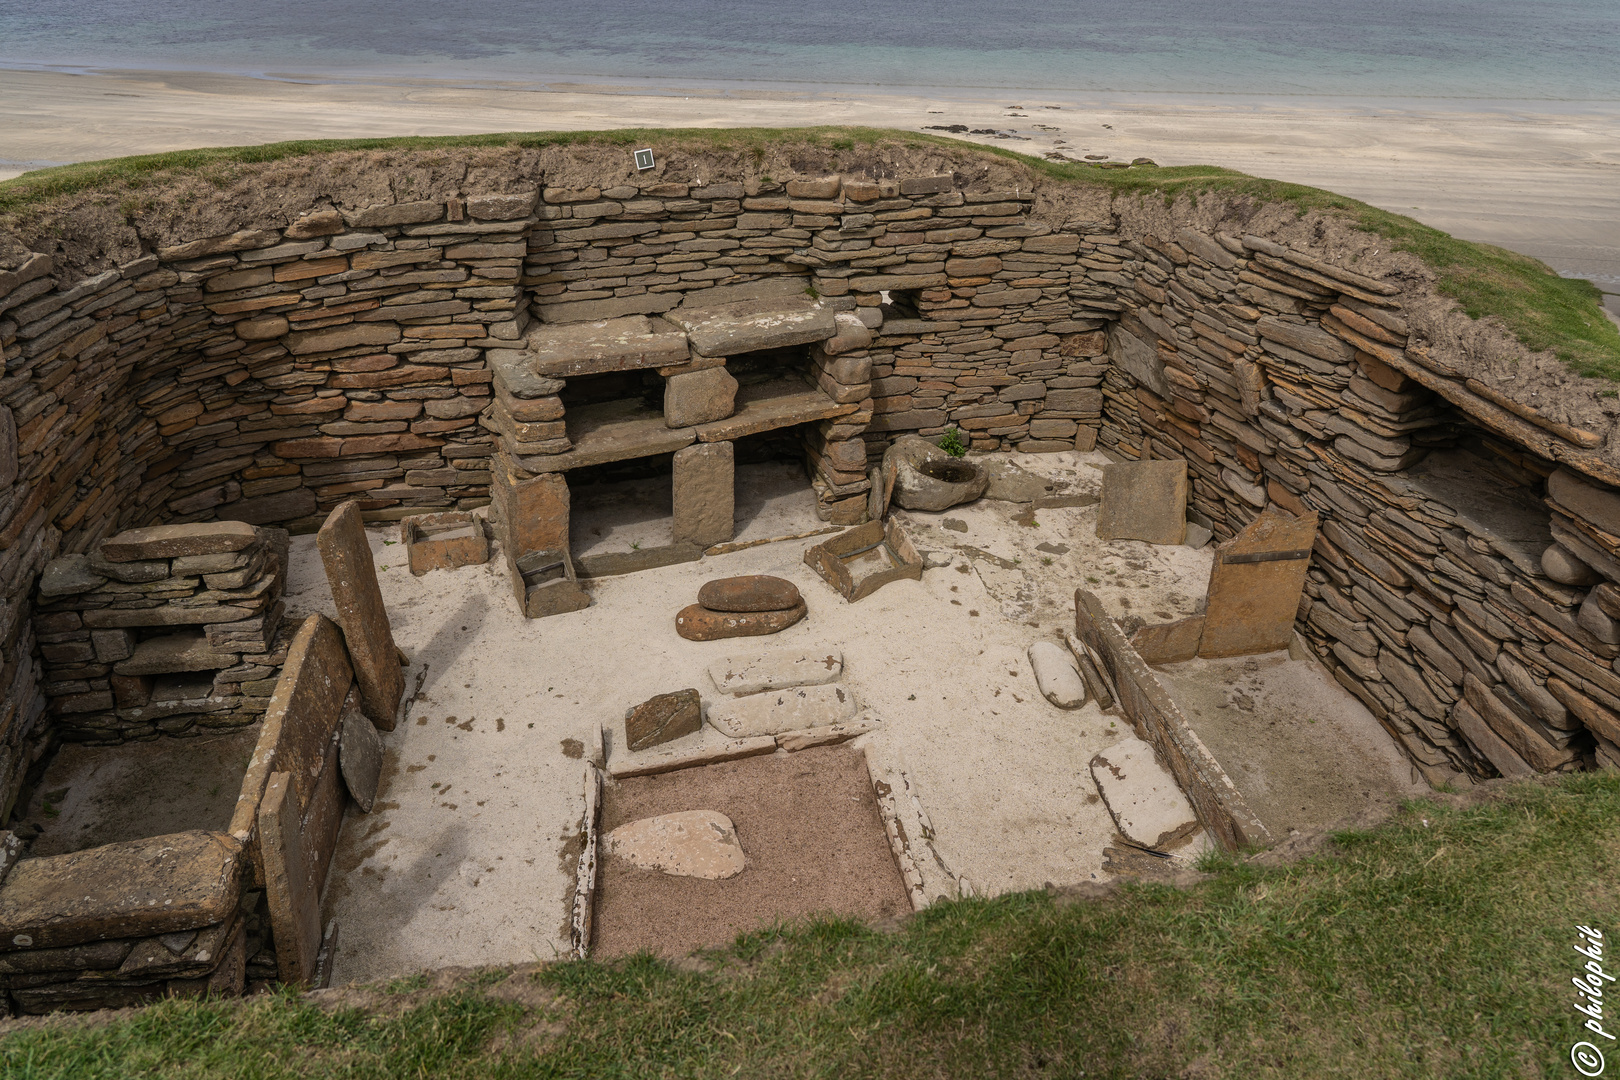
(1537, 178)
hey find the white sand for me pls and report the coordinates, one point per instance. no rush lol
(1533, 178)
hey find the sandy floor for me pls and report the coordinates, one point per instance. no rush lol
(1529, 177)
(464, 860)
(808, 824)
(1304, 752)
(106, 794)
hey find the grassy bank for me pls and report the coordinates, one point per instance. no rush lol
(1437, 945)
(1542, 309)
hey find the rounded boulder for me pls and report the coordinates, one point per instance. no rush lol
(752, 592)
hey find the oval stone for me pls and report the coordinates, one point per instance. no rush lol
(752, 592)
(698, 623)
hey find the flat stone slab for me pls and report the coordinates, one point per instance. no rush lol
(360, 757)
(751, 325)
(776, 670)
(69, 575)
(352, 575)
(1057, 676)
(1255, 585)
(707, 747)
(173, 653)
(824, 736)
(139, 888)
(776, 711)
(611, 431)
(750, 592)
(689, 843)
(1144, 500)
(612, 345)
(173, 541)
(1142, 796)
(771, 405)
(697, 623)
(663, 719)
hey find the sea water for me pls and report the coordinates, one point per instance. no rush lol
(1520, 50)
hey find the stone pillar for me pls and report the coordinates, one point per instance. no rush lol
(698, 397)
(705, 493)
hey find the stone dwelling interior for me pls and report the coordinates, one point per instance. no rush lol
(579, 561)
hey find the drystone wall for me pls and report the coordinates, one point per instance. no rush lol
(235, 363)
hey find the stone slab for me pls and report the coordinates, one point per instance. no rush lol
(306, 708)
(697, 623)
(697, 397)
(622, 344)
(352, 575)
(663, 719)
(752, 325)
(174, 653)
(790, 709)
(69, 575)
(704, 493)
(776, 669)
(172, 541)
(1255, 585)
(1142, 796)
(360, 757)
(138, 888)
(1144, 500)
(1170, 643)
(792, 741)
(611, 431)
(689, 843)
(167, 615)
(1487, 742)
(705, 748)
(1057, 676)
(771, 405)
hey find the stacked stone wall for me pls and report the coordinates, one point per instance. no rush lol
(268, 374)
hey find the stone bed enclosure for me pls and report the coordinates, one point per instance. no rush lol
(428, 332)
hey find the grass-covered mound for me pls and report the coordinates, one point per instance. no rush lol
(1438, 944)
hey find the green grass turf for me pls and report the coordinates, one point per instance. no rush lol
(1438, 944)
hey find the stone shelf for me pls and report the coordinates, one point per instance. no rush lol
(619, 430)
(776, 404)
(614, 345)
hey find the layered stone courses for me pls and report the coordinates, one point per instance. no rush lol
(379, 353)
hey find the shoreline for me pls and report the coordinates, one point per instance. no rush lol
(1529, 176)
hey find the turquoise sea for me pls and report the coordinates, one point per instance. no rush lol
(1502, 50)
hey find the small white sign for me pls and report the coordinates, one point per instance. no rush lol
(644, 160)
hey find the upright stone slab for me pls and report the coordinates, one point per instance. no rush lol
(705, 493)
(698, 397)
(353, 578)
(1255, 584)
(1144, 500)
(532, 513)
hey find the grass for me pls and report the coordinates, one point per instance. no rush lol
(1543, 310)
(1436, 945)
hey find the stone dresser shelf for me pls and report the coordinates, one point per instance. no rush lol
(621, 430)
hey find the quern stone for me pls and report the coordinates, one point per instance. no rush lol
(698, 623)
(353, 578)
(751, 592)
(663, 719)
